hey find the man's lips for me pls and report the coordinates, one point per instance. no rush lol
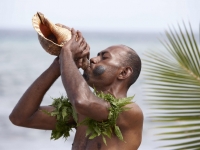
(91, 65)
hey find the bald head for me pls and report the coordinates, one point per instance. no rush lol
(132, 60)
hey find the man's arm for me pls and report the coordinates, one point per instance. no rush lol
(79, 94)
(27, 112)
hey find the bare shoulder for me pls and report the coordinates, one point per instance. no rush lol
(133, 116)
(130, 123)
(135, 110)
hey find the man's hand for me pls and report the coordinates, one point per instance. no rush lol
(78, 61)
(76, 47)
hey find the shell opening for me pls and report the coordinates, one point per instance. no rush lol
(47, 33)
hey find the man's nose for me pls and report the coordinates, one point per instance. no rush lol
(94, 60)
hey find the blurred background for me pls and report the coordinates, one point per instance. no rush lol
(138, 24)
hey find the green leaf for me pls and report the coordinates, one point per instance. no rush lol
(110, 115)
(64, 113)
(118, 133)
(58, 135)
(92, 136)
(107, 133)
(104, 140)
(46, 112)
(59, 105)
(97, 130)
(172, 88)
(88, 131)
(74, 114)
(54, 113)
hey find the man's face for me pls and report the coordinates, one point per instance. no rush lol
(104, 68)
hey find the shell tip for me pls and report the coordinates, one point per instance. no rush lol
(41, 17)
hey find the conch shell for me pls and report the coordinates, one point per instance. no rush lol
(52, 37)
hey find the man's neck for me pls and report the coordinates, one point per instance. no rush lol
(116, 91)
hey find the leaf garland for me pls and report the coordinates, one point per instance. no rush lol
(105, 128)
(64, 110)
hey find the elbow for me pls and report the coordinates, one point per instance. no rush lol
(15, 120)
(80, 106)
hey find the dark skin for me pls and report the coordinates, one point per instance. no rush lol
(105, 74)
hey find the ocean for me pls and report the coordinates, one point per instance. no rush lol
(22, 60)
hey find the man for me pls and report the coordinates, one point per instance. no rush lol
(113, 71)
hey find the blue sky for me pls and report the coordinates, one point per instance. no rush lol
(102, 15)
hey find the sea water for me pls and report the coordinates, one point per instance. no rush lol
(22, 60)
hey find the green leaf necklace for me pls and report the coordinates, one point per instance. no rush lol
(64, 110)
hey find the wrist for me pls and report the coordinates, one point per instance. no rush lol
(65, 53)
(54, 68)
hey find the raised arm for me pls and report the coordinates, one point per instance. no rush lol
(27, 112)
(78, 91)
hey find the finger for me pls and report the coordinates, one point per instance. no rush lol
(78, 60)
(86, 50)
(73, 33)
(79, 63)
(88, 56)
(63, 26)
(88, 47)
(83, 45)
(80, 37)
(85, 53)
(58, 24)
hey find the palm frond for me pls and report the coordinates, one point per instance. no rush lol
(172, 88)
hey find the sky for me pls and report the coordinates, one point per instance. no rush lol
(102, 15)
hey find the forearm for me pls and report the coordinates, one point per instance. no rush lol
(75, 85)
(31, 99)
(78, 91)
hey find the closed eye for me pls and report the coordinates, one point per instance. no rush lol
(105, 55)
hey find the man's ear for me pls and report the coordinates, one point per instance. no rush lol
(125, 72)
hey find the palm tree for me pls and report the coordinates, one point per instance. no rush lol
(173, 89)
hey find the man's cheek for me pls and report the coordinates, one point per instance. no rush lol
(99, 70)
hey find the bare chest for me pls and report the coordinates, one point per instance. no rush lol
(81, 142)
